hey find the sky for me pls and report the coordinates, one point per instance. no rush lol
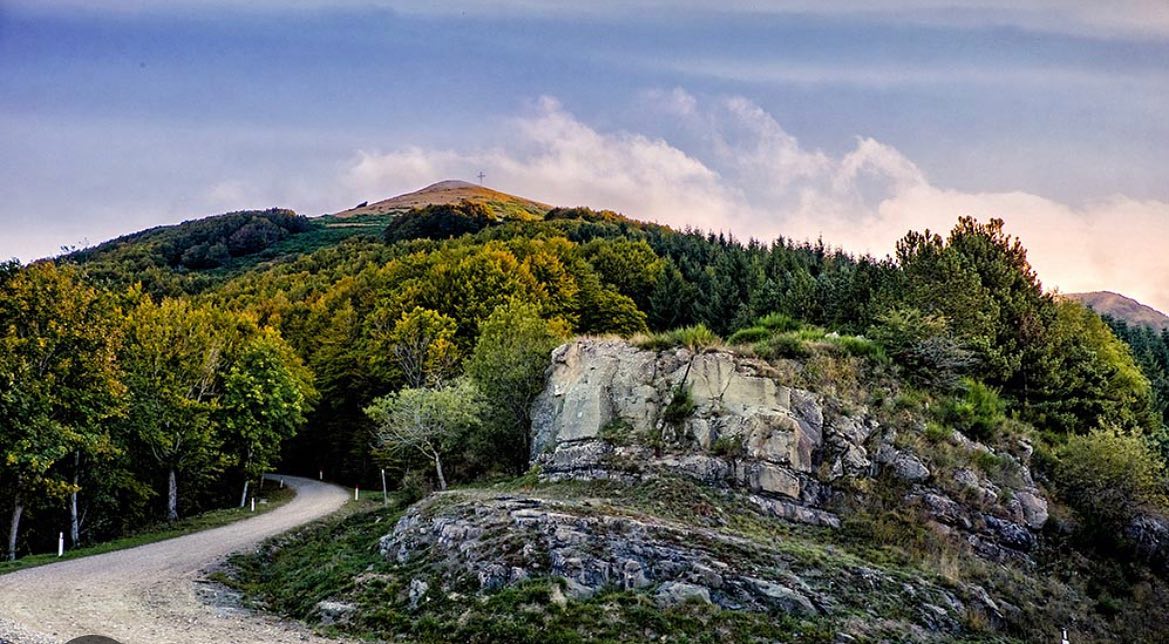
(802, 118)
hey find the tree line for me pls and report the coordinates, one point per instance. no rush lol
(425, 346)
(115, 408)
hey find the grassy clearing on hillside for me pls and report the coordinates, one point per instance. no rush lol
(274, 496)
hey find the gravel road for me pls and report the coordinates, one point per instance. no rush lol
(147, 595)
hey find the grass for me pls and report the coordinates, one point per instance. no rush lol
(276, 497)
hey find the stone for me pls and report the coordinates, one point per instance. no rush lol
(767, 477)
(784, 598)
(1034, 509)
(332, 612)
(673, 593)
(908, 467)
(417, 591)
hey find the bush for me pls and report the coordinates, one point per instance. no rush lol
(1108, 477)
(697, 338)
(923, 347)
(749, 335)
(978, 412)
(784, 345)
(680, 407)
(777, 322)
(860, 347)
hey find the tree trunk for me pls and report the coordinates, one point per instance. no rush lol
(74, 523)
(14, 529)
(172, 497)
(243, 500)
(438, 471)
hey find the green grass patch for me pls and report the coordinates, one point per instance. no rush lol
(275, 497)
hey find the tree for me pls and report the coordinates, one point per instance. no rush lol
(426, 422)
(508, 364)
(1108, 477)
(58, 382)
(420, 346)
(266, 394)
(175, 355)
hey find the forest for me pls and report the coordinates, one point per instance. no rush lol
(420, 349)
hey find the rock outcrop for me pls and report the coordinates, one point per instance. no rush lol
(617, 415)
(613, 411)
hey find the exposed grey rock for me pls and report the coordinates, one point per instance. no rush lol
(417, 592)
(788, 450)
(673, 593)
(1149, 536)
(909, 468)
(783, 597)
(331, 612)
(1034, 509)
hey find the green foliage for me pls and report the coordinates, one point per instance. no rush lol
(266, 394)
(419, 346)
(680, 407)
(977, 412)
(440, 221)
(696, 338)
(1107, 477)
(922, 347)
(617, 432)
(514, 349)
(778, 322)
(59, 382)
(425, 422)
(749, 335)
(1093, 378)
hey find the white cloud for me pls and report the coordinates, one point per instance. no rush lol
(747, 175)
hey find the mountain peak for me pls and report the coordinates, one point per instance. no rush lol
(449, 191)
(1123, 308)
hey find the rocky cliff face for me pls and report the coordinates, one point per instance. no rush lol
(757, 453)
(611, 410)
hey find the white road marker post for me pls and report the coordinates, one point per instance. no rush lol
(281, 483)
(253, 504)
(385, 493)
(321, 474)
(356, 489)
(61, 544)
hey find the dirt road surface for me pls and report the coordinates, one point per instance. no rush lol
(147, 595)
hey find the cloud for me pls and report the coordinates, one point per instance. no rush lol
(742, 172)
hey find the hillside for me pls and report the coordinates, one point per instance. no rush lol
(772, 507)
(452, 192)
(1123, 308)
(636, 432)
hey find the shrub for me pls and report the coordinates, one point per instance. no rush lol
(1108, 476)
(978, 412)
(923, 347)
(697, 338)
(860, 347)
(728, 446)
(784, 345)
(749, 335)
(680, 407)
(777, 322)
(617, 432)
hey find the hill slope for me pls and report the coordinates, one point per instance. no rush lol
(1123, 308)
(452, 192)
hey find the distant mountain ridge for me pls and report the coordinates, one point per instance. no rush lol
(1124, 308)
(452, 192)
